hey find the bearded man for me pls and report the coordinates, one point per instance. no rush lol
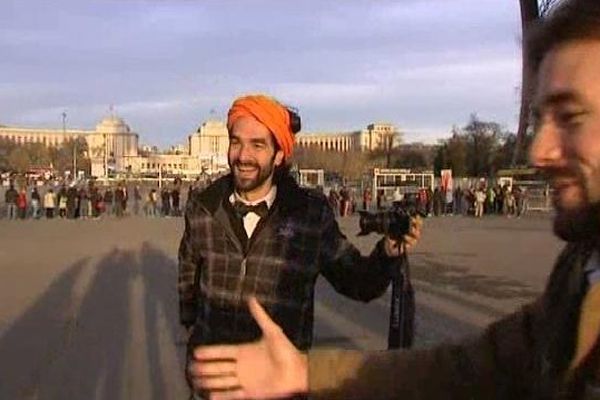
(255, 232)
(550, 349)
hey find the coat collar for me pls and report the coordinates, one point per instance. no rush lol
(289, 194)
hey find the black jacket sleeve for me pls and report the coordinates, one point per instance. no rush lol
(351, 274)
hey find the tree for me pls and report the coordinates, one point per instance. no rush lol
(452, 154)
(413, 156)
(18, 159)
(62, 156)
(476, 149)
(349, 165)
(484, 139)
(6, 146)
(39, 154)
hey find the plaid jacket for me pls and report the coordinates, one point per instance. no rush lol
(296, 242)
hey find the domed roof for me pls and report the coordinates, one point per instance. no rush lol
(113, 124)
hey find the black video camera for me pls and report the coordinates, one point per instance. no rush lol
(394, 222)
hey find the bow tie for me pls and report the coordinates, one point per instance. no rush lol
(261, 209)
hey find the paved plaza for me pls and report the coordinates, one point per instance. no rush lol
(88, 309)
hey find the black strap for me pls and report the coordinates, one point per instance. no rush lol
(402, 310)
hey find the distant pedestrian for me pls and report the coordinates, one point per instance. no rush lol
(84, 206)
(448, 202)
(479, 202)
(35, 203)
(367, 197)
(22, 203)
(334, 201)
(49, 203)
(62, 202)
(108, 201)
(438, 200)
(165, 199)
(344, 201)
(137, 197)
(119, 200)
(151, 203)
(72, 196)
(10, 198)
(175, 202)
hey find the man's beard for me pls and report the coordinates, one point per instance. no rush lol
(249, 184)
(578, 224)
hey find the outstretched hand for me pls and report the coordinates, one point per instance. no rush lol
(269, 368)
(394, 248)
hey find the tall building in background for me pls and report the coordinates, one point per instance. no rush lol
(114, 148)
(209, 144)
(111, 145)
(377, 136)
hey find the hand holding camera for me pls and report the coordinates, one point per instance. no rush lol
(401, 227)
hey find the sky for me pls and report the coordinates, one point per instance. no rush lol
(166, 66)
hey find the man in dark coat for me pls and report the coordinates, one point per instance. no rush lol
(10, 198)
(72, 203)
(550, 349)
(255, 232)
(119, 201)
(165, 201)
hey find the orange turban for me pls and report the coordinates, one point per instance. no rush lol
(268, 112)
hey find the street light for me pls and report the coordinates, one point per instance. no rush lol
(105, 158)
(64, 121)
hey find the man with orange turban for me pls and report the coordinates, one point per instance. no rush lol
(255, 232)
(549, 348)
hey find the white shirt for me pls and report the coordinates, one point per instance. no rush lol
(251, 219)
(592, 268)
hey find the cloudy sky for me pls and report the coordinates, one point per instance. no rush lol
(166, 65)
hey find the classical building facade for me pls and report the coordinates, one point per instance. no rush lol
(114, 147)
(111, 145)
(209, 144)
(377, 136)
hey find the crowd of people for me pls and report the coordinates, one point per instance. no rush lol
(480, 200)
(507, 200)
(89, 200)
(83, 201)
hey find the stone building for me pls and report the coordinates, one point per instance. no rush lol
(377, 136)
(209, 144)
(112, 143)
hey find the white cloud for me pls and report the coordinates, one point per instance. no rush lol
(422, 64)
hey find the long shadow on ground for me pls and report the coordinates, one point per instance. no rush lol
(63, 347)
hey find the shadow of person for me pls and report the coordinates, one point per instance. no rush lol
(117, 339)
(92, 365)
(159, 274)
(34, 340)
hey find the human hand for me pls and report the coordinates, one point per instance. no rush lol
(394, 247)
(267, 369)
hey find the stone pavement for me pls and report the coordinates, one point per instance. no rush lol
(88, 309)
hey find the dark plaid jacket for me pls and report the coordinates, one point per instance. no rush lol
(297, 241)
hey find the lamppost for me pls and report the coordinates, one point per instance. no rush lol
(105, 158)
(64, 126)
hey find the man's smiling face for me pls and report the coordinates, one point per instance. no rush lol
(567, 143)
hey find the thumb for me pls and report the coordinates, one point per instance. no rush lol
(266, 324)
